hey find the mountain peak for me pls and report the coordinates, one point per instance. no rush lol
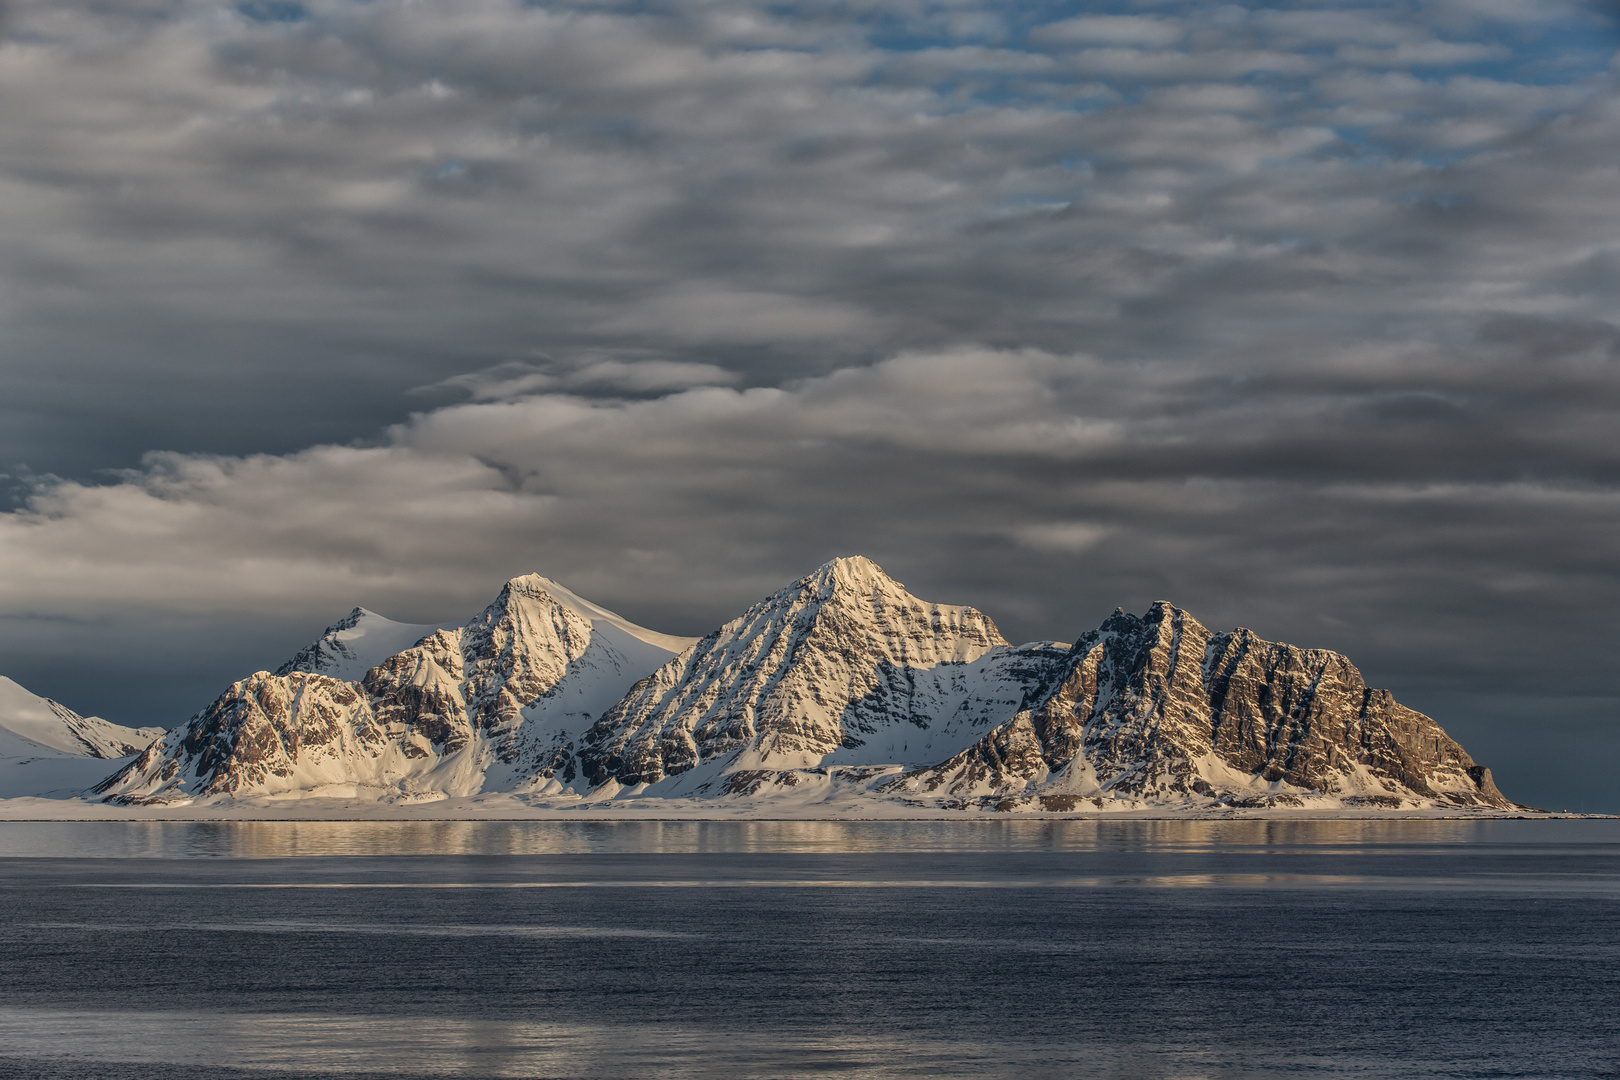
(855, 587)
(1158, 614)
(354, 644)
(532, 585)
(797, 677)
(1158, 708)
(852, 571)
(538, 587)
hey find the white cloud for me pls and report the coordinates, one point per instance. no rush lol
(1068, 537)
(1337, 27)
(1176, 64)
(461, 491)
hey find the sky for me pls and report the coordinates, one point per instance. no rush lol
(1302, 316)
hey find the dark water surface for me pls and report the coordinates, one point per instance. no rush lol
(810, 949)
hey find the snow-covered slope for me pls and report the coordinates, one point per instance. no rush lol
(362, 639)
(48, 749)
(488, 703)
(31, 725)
(355, 644)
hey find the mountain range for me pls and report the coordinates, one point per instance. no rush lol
(841, 689)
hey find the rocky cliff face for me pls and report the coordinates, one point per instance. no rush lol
(841, 667)
(487, 703)
(1159, 708)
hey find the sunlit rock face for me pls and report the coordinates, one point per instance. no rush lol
(841, 667)
(1158, 708)
(841, 686)
(484, 704)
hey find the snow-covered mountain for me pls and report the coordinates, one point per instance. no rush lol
(841, 687)
(841, 668)
(1160, 710)
(489, 704)
(31, 725)
(47, 748)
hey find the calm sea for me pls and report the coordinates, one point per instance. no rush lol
(810, 949)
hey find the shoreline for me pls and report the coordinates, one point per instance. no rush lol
(95, 812)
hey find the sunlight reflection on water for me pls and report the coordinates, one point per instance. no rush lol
(1150, 950)
(292, 839)
(500, 1047)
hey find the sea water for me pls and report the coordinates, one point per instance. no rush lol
(1079, 949)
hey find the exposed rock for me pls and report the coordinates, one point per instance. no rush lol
(841, 667)
(484, 702)
(1158, 707)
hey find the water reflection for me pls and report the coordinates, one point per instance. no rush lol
(293, 839)
(500, 1047)
(1087, 949)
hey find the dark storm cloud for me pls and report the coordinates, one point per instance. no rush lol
(1300, 315)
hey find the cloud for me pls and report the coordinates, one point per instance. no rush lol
(1421, 54)
(1329, 488)
(1522, 11)
(1301, 316)
(1201, 64)
(1068, 537)
(1145, 30)
(519, 378)
(1337, 27)
(698, 313)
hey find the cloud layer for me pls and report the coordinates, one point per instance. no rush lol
(1299, 315)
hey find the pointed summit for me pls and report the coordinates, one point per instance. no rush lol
(355, 644)
(534, 585)
(851, 572)
(782, 686)
(410, 711)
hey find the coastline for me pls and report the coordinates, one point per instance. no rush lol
(507, 808)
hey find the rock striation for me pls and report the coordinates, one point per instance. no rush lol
(843, 667)
(1158, 708)
(486, 704)
(841, 686)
